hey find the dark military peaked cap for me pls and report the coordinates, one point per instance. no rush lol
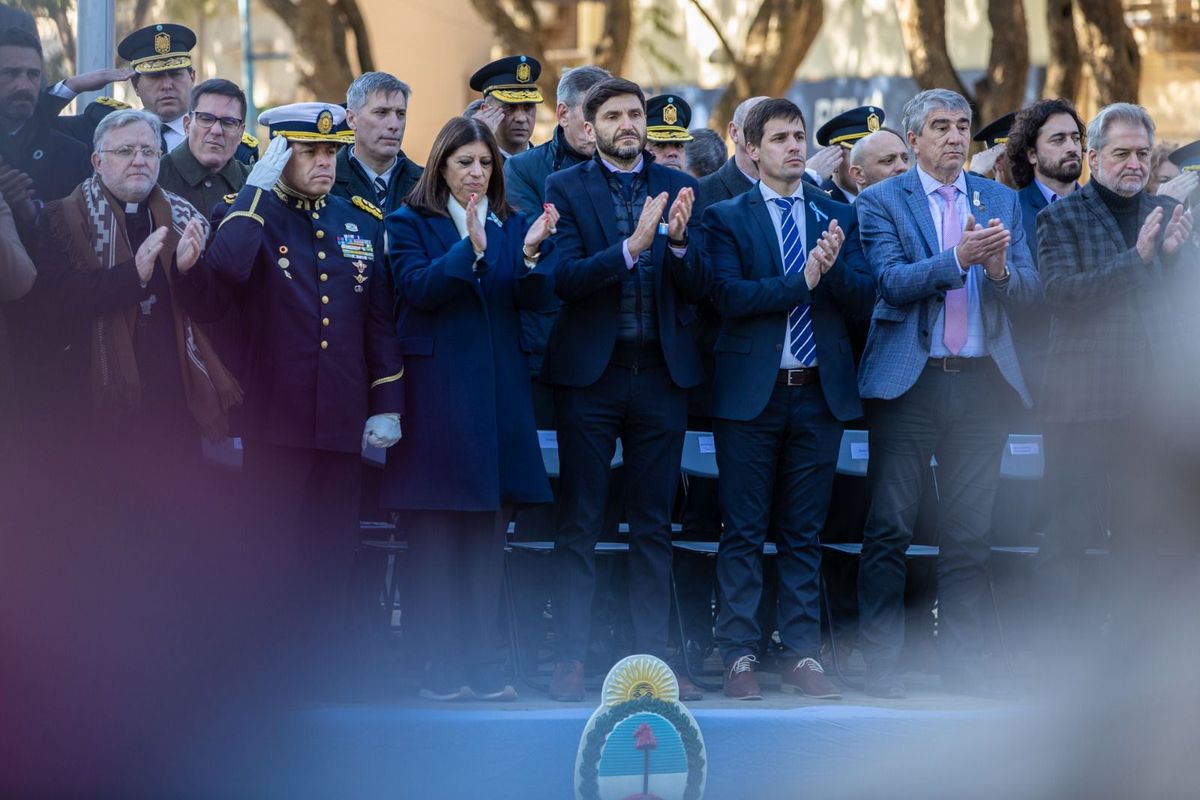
(667, 119)
(510, 80)
(996, 131)
(1187, 158)
(158, 48)
(850, 126)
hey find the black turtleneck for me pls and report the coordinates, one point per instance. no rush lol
(1124, 211)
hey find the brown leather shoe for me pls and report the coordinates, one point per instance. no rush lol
(688, 691)
(807, 677)
(740, 683)
(567, 683)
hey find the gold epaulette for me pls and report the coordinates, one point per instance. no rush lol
(369, 207)
(249, 141)
(111, 102)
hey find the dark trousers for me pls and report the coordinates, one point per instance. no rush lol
(776, 474)
(458, 566)
(962, 418)
(648, 412)
(305, 508)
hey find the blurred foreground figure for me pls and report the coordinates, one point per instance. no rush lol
(1116, 263)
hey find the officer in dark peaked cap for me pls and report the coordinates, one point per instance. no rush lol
(1187, 158)
(667, 119)
(992, 162)
(843, 131)
(160, 56)
(510, 100)
(317, 356)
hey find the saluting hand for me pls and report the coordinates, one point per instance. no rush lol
(266, 171)
(681, 212)
(191, 244)
(490, 115)
(824, 254)
(541, 228)
(826, 161)
(475, 231)
(147, 254)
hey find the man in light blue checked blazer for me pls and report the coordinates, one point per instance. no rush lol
(939, 377)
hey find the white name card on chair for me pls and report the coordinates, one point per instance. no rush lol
(707, 443)
(1024, 448)
(859, 451)
(548, 440)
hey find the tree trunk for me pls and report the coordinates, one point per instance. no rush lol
(519, 29)
(1002, 88)
(618, 30)
(776, 43)
(923, 29)
(1062, 73)
(1111, 51)
(319, 31)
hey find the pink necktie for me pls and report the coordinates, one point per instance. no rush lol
(954, 333)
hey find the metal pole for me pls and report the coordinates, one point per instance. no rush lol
(94, 47)
(248, 65)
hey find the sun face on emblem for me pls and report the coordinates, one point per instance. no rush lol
(325, 122)
(640, 677)
(670, 114)
(162, 43)
(524, 72)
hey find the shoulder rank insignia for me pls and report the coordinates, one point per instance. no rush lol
(111, 102)
(368, 207)
(249, 141)
(229, 198)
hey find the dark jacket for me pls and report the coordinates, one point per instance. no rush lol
(525, 173)
(54, 161)
(727, 182)
(182, 174)
(319, 350)
(754, 298)
(525, 189)
(470, 443)
(351, 181)
(1112, 330)
(592, 269)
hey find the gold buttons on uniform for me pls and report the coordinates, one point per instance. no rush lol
(324, 345)
(324, 276)
(325, 299)
(325, 322)
(316, 215)
(321, 255)
(320, 234)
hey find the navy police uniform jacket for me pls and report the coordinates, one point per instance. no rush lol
(592, 268)
(316, 353)
(470, 443)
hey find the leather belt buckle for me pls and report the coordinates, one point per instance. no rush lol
(798, 377)
(952, 364)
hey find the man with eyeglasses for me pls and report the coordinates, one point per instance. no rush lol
(118, 365)
(203, 169)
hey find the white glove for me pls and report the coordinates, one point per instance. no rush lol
(266, 171)
(382, 430)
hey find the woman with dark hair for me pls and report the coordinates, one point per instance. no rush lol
(464, 264)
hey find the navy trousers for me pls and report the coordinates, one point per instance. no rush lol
(776, 475)
(644, 408)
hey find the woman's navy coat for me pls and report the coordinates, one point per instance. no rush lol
(470, 442)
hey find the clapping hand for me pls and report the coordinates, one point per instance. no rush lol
(191, 244)
(823, 256)
(147, 254)
(984, 245)
(475, 231)
(681, 212)
(542, 227)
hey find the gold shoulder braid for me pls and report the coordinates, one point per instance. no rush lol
(111, 102)
(249, 140)
(368, 206)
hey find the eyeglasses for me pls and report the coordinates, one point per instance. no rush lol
(127, 152)
(205, 120)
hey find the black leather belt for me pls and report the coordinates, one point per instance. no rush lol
(959, 364)
(796, 377)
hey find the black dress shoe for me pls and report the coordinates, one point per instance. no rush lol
(886, 686)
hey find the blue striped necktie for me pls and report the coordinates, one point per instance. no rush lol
(801, 342)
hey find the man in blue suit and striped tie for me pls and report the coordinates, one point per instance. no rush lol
(790, 281)
(939, 376)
